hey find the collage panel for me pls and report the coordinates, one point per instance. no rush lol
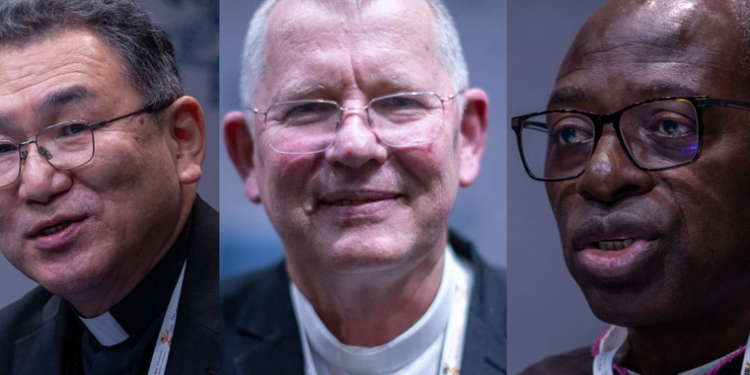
(361, 204)
(627, 212)
(109, 187)
(547, 313)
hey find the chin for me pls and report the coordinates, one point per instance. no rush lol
(629, 306)
(65, 279)
(358, 254)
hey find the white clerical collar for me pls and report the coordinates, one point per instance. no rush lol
(611, 338)
(106, 329)
(391, 356)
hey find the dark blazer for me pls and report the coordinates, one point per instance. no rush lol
(581, 362)
(32, 329)
(260, 336)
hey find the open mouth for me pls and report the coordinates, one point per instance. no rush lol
(614, 244)
(52, 229)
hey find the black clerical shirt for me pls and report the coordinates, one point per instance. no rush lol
(140, 314)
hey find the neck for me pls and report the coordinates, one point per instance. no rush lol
(372, 309)
(118, 284)
(671, 349)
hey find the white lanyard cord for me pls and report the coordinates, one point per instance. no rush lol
(164, 341)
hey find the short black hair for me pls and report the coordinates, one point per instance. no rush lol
(147, 51)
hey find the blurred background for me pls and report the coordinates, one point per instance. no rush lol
(193, 26)
(248, 240)
(547, 313)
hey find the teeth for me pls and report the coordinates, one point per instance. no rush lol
(54, 229)
(615, 244)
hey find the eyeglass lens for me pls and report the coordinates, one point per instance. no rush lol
(657, 135)
(66, 145)
(310, 126)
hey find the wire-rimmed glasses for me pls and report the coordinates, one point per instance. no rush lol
(65, 145)
(398, 120)
(658, 134)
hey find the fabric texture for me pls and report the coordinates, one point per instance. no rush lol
(33, 329)
(260, 336)
(581, 362)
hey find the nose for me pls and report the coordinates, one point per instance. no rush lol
(40, 182)
(356, 144)
(610, 174)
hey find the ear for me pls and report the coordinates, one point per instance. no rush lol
(241, 150)
(188, 132)
(473, 134)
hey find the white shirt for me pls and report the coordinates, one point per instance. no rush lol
(105, 329)
(416, 351)
(608, 341)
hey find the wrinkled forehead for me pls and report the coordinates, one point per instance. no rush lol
(368, 30)
(294, 21)
(653, 48)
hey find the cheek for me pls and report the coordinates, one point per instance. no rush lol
(433, 169)
(283, 180)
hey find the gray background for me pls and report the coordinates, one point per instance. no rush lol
(193, 27)
(249, 241)
(547, 312)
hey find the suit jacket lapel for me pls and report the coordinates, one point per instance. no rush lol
(41, 352)
(485, 343)
(270, 333)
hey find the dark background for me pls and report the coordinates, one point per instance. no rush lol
(547, 313)
(193, 26)
(249, 241)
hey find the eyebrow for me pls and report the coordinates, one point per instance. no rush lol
(56, 100)
(65, 97)
(568, 95)
(658, 89)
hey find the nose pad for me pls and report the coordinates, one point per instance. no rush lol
(44, 152)
(24, 155)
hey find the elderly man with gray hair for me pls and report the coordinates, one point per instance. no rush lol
(358, 129)
(100, 153)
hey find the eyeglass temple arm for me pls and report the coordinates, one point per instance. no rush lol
(709, 102)
(151, 108)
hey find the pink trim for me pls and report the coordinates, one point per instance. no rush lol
(595, 347)
(624, 371)
(726, 360)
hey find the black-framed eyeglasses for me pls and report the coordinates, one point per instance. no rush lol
(398, 120)
(658, 134)
(65, 145)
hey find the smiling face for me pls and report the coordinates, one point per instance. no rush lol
(360, 204)
(77, 230)
(684, 231)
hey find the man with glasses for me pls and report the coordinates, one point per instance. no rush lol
(643, 150)
(357, 132)
(100, 153)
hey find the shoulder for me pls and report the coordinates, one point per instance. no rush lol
(24, 316)
(255, 288)
(205, 222)
(574, 362)
(489, 281)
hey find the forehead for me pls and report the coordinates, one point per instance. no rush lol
(73, 57)
(634, 50)
(338, 44)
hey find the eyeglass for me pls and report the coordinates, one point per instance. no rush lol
(657, 135)
(64, 145)
(399, 120)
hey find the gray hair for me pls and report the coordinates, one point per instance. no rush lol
(146, 50)
(451, 55)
